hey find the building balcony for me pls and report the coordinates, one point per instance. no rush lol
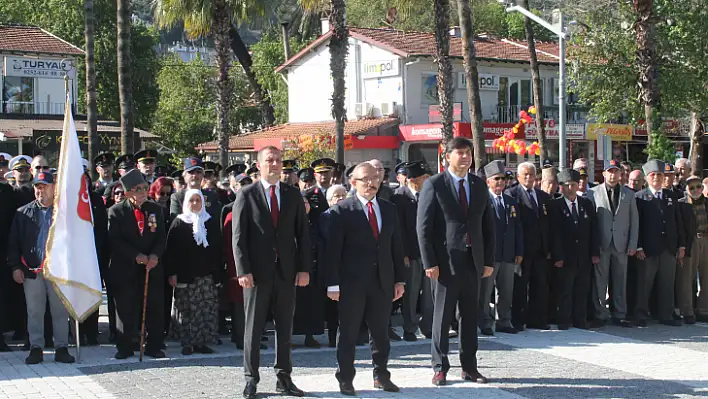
(510, 114)
(32, 108)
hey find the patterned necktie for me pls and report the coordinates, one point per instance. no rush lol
(464, 204)
(372, 220)
(274, 211)
(417, 197)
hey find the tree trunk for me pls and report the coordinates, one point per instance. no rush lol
(338, 50)
(125, 91)
(645, 33)
(259, 94)
(697, 130)
(472, 78)
(537, 85)
(91, 124)
(222, 42)
(442, 58)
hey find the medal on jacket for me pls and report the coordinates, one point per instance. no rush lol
(513, 211)
(669, 203)
(545, 211)
(152, 222)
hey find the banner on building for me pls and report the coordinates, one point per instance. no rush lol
(614, 131)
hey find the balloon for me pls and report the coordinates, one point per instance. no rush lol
(532, 109)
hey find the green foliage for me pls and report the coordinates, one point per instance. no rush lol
(268, 55)
(661, 148)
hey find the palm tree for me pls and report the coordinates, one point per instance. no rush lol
(472, 80)
(125, 91)
(91, 124)
(214, 18)
(259, 93)
(441, 9)
(645, 34)
(537, 85)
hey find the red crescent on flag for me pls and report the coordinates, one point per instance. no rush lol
(84, 207)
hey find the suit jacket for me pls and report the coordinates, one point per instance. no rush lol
(620, 228)
(535, 224)
(509, 231)
(573, 243)
(211, 202)
(262, 249)
(443, 226)
(661, 223)
(688, 221)
(407, 207)
(353, 254)
(127, 242)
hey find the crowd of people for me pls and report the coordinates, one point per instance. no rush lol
(337, 249)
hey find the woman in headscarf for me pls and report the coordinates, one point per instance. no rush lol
(194, 262)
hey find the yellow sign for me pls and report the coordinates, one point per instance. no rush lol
(615, 132)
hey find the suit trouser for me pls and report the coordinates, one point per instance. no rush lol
(613, 266)
(697, 263)
(426, 322)
(371, 304)
(238, 322)
(530, 303)
(503, 280)
(410, 297)
(573, 287)
(277, 297)
(662, 269)
(460, 292)
(128, 299)
(89, 327)
(37, 291)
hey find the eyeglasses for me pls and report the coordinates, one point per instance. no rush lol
(41, 167)
(118, 193)
(368, 181)
(497, 178)
(140, 189)
(164, 193)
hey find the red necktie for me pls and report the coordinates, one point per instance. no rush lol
(274, 212)
(140, 218)
(372, 220)
(463, 203)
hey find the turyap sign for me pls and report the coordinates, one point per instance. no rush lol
(486, 81)
(377, 69)
(48, 68)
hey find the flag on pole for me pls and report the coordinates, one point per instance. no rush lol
(71, 263)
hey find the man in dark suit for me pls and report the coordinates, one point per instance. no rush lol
(193, 178)
(136, 230)
(661, 243)
(271, 244)
(456, 236)
(530, 304)
(365, 274)
(508, 254)
(574, 249)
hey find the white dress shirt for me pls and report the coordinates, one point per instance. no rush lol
(266, 187)
(456, 180)
(570, 203)
(496, 198)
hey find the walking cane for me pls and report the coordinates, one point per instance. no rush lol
(142, 326)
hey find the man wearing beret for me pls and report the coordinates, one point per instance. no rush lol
(660, 245)
(574, 250)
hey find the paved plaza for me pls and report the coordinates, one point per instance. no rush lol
(655, 362)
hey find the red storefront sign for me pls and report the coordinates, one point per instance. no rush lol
(432, 132)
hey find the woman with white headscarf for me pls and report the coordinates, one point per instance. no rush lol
(194, 264)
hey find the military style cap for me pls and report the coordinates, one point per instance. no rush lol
(340, 168)
(350, 170)
(289, 165)
(653, 166)
(669, 168)
(582, 171)
(5, 158)
(210, 166)
(306, 174)
(613, 164)
(9, 177)
(125, 162)
(494, 168)
(53, 171)
(252, 171)
(132, 179)
(509, 174)
(104, 159)
(20, 161)
(323, 165)
(176, 174)
(236, 169)
(568, 176)
(146, 155)
(244, 178)
(547, 163)
(192, 163)
(401, 168)
(414, 169)
(161, 171)
(43, 178)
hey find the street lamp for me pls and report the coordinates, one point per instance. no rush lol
(559, 30)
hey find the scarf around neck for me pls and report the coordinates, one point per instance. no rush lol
(197, 220)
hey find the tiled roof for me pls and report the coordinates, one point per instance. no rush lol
(14, 128)
(291, 130)
(411, 44)
(30, 39)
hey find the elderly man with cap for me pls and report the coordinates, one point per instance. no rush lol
(136, 230)
(193, 177)
(508, 255)
(289, 173)
(21, 170)
(583, 185)
(323, 168)
(306, 179)
(669, 177)
(4, 165)
(26, 255)
(232, 172)
(661, 243)
(618, 226)
(146, 164)
(574, 249)
(103, 163)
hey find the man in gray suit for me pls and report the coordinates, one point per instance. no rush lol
(618, 223)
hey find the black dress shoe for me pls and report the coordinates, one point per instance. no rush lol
(597, 323)
(539, 326)
(286, 386)
(36, 356)
(519, 327)
(61, 355)
(564, 327)
(203, 349)
(507, 330)
(689, 319)
(409, 337)
(475, 377)
(347, 388)
(641, 323)
(622, 323)
(487, 331)
(393, 336)
(157, 354)
(311, 342)
(250, 391)
(583, 325)
(120, 355)
(672, 323)
(386, 385)
(702, 318)
(187, 350)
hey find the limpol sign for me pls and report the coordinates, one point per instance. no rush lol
(377, 69)
(47, 68)
(486, 81)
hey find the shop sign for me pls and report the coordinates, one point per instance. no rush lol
(421, 132)
(380, 69)
(488, 82)
(614, 131)
(46, 68)
(434, 113)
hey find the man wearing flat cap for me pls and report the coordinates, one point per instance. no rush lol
(103, 163)
(618, 226)
(508, 254)
(660, 245)
(193, 178)
(137, 231)
(146, 164)
(574, 250)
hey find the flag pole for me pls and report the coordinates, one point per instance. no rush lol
(78, 342)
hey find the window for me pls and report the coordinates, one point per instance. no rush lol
(426, 152)
(18, 95)
(428, 89)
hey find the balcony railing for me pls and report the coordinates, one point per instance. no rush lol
(510, 114)
(31, 108)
